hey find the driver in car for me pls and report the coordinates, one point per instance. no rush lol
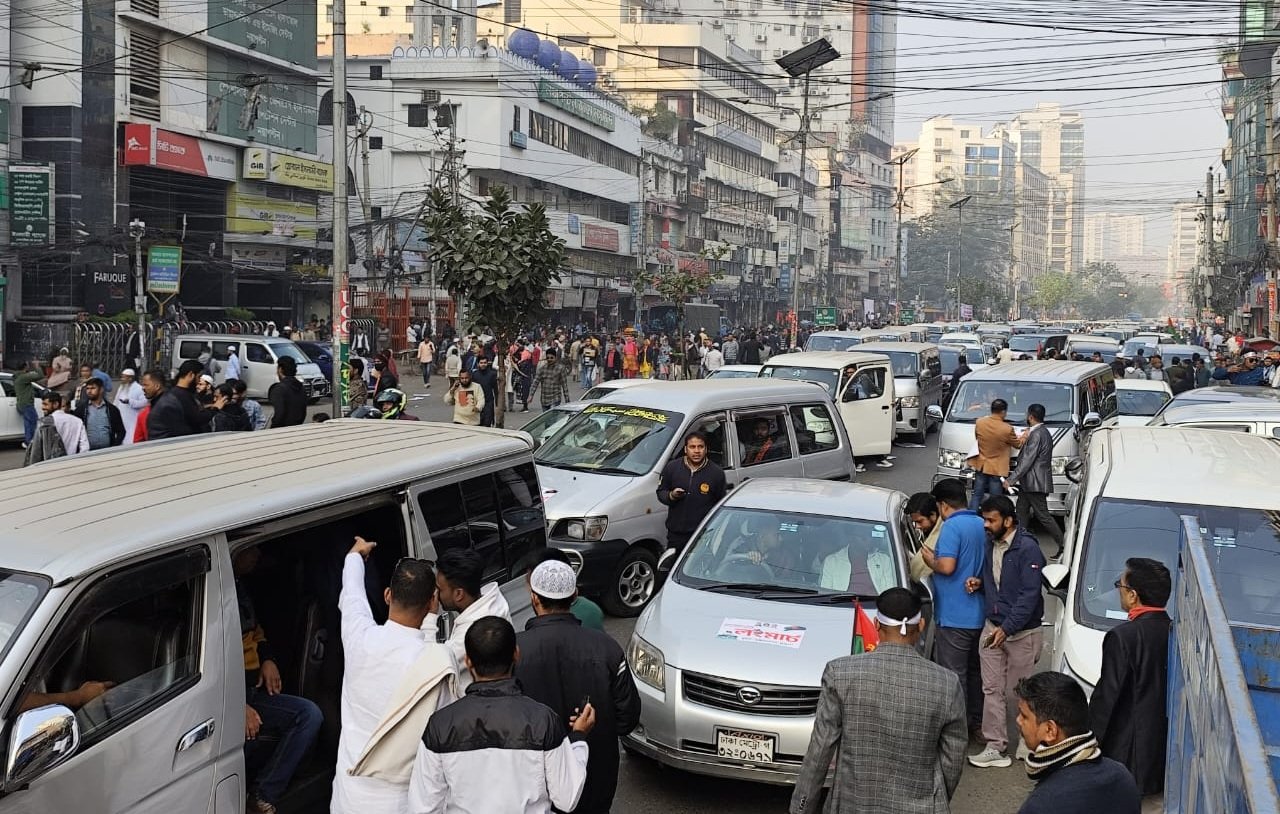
(766, 549)
(864, 567)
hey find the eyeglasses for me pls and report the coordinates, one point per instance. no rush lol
(1120, 584)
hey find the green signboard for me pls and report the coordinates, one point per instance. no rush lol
(907, 315)
(30, 204)
(826, 315)
(287, 104)
(164, 269)
(573, 102)
(285, 30)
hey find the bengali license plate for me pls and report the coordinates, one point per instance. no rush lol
(752, 747)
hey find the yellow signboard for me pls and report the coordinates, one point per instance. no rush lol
(261, 164)
(249, 212)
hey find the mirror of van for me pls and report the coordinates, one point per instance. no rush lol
(1091, 421)
(934, 411)
(666, 560)
(1055, 577)
(41, 738)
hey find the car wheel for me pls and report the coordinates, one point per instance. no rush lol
(634, 583)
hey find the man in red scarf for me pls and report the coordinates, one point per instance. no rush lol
(1127, 710)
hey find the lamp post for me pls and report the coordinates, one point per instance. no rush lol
(137, 229)
(899, 203)
(959, 205)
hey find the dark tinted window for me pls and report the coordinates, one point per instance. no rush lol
(253, 352)
(191, 349)
(815, 430)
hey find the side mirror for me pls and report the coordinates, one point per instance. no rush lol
(667, 560)
(934, 411)
(1091, 421)
(41, 739)
(1054, 575)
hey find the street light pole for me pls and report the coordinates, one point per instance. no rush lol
(797, 251)
(900, 161)
(136, 230)
(1013, 268)
(960, 251)
(339, 336)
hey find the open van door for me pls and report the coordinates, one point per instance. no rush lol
(865, 400)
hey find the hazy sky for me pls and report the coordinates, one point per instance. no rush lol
(1147, 146)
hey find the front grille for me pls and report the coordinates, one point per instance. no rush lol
(704, 748)
(724, 693)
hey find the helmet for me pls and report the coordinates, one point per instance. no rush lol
(391, 402)
(365, 411)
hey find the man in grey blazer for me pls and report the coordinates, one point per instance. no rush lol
(1034, 478)
(893, 721)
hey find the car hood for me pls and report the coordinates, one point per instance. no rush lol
(567, 493)
(683, 623)
(308, 370)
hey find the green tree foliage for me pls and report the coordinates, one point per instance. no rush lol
(931, 238)
(1098, 291)
(499, 260)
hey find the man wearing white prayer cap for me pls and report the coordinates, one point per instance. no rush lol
(890, 721)
(565, 666)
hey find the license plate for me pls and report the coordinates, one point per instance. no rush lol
(752, 747)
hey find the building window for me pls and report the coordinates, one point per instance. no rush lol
(408, 14)
(964, 134)
(599, 56)
(419, 115)
(810, 32)
(515, 118)
(375, 71)
(384, 11)
(328, 14)
(375, 213)
(511, 11)
(375, 142)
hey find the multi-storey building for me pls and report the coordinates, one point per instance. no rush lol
(1184, 243)
(1108, 235)
(1052, 141)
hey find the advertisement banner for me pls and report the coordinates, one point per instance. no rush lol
(149, 146)
(285, 30)
(31, 190)
(164, 269)
(288, 106)
(600, 237)
(1271, 300)
(966, 311)
(251, 211)
(260, 164)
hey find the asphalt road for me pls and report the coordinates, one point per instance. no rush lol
(645, 787)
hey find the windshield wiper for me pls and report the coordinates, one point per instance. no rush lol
(759, 587)
(832, 599)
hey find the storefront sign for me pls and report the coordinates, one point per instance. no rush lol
(285, 30)
(1271, 299)
(572, 102)
(260, 164)
(148, 146)
(106, 290)
(696, 265)
(31, 190)
(251, 211)
(164, 269)
(287, 104)
(264, 258)
(600, 237)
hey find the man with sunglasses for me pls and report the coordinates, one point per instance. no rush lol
(1127, 710)
(394, 679)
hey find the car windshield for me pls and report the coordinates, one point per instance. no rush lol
(1140, 402)
(818, 375)
(733, 374)
(611, 439)
(283, 349)
(547, 425)
(905, 363)
(973, 399)
(1131, 348)
(19, 595)
(1028, 343)
(832, 342)
(597, 392)
(803, 556)
(1244, 552)
(313, 351)
(950, 359)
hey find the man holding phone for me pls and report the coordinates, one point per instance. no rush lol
(690, 487)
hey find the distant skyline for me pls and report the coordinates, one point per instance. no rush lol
(1146, 149)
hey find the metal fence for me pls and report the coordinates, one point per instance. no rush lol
(106, 344)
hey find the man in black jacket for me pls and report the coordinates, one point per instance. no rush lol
(1128, 705)
(102, 421)
(487, 378)
(690, 485)
(175, 412)
(564, 665)
(288, 397)
(749, 351)
(1034, 477)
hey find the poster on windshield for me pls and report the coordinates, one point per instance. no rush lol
(751, 630)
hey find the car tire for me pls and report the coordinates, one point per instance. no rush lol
(634, 583)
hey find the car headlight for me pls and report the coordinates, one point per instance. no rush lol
(646, 663)
(1059, 464)
(950, 459)
(910, 402)
(587, 528)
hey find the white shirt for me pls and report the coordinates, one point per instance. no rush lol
(129, 401)
(71, 430)
(491, 602)
(714, 360)
(1004, 355)
(376, 658)
(233, 366)
(498, 781)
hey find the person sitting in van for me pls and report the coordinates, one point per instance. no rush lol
(287, 396)
(864, 567)
(858, 386)
(763, 446)
(278, 728)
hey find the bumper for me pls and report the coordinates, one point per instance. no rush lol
(1057, 498)
(907, 420)
(317, 388)
(710, 765)
(599, 562)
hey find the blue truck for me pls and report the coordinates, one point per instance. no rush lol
(1224, 692)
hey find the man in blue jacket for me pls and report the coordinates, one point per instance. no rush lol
(1014, 608)
(1248, 372)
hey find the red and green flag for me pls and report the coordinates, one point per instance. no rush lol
(865, 638)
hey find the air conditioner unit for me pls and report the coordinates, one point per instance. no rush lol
(777, 52)
(762, 37)
(431, 97)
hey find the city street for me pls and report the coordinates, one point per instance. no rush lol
(645, 787)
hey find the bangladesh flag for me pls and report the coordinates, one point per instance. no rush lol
(865, 638)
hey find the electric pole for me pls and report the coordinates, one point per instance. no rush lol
(340, 339)
(901, 200)
(1013, 268)
(959, 205)
(366, 193)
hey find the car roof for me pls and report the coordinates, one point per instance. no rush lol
(896, 347)
(1227, 393)
(1218, 411)
(237, 337)
(1041, 370)
(65, 517)
(825, 358)
(821, 497)
(1229, 466)
(1142, 384)
(709, 394)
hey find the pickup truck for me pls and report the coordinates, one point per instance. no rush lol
(1224, 697)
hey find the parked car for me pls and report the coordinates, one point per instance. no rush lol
(1139, 399)
(1223, 394)
(10, 420)
(259, 356)
(547, 423)
(605, 388)
(729, 658)
(321, 354)
(1256, 418)
(736, 372)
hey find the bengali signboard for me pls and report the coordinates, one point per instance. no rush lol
(287, 104)
(149, 146)
(164, 269)
(573, 102)
(31, 190)
(285, 30)
(251, 211)
(261, 164)
(600, 237)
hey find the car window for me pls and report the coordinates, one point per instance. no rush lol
(7, 386)
(762, 437)
(814, 428)
(192, 348)
(138, 631)
(713, 426)
(864, 383)
(254, 352)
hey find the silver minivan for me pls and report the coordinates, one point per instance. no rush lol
(132, 583)
(601, 469)
(1077, 397)
(258, 356)
(917, 384)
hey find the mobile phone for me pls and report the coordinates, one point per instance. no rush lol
(586, 699)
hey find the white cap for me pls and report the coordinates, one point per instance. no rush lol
(553, 580)
(128, 371)
(206, 378)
